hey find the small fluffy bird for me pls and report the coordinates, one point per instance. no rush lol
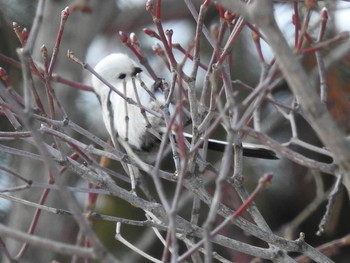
(141, 124)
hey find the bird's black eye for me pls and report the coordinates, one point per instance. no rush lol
(136, 71)
(122, 76)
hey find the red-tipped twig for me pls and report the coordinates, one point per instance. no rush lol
(64, 17)
(133, 44)
(157, 21)
(264, 182)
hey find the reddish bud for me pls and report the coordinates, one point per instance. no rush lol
(25, 34)
(134, 40)
(229, 16)
(65, 13)
(255, 36)
(157, 49)
(18, 33)
(15, 26)
(43, 51)
(266, 179)
(149, 6)
(324, 19)
(123, 37)
(324, 14)
(169, 32)
(151, 33)
(2, 72)
(169, 35)
(4, 77)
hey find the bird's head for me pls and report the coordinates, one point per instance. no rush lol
(114, 68)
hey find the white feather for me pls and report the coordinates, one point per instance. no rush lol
(119, 70)
(111, 68)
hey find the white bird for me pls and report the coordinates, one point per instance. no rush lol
(142, 129)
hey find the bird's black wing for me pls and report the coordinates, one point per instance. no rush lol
(249, 149)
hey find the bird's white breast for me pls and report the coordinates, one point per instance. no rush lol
(120, 117)
(135, 127)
